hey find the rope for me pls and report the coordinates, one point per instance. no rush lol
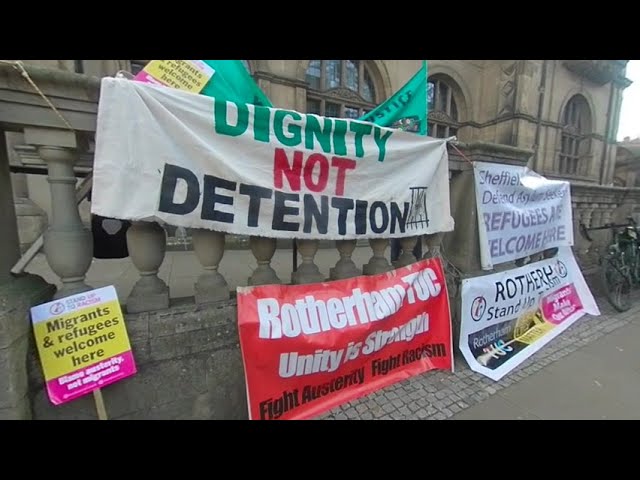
(460, 153)
(18, 65)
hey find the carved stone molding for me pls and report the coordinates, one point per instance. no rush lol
(599, 72)
(345, 93)
(440, 116)
(507, 88)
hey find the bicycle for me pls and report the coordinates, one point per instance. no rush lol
(620, 264)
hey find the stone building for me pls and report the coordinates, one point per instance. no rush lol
(560, 117)
(627, 163)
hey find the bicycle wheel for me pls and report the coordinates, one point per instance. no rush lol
(616, 282)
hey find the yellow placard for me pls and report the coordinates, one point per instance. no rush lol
(180, 74)
(75, 340)
(535, 333)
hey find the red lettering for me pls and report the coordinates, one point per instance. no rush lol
(323, 176)
(342, 164)
(292, 172)
(315, 179)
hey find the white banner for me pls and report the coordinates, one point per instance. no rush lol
(194, 161)
(508, 316)
(520, 213)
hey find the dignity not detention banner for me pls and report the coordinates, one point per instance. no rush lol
(198, 162)
(520, 213)
(508, 316)
(309, 348)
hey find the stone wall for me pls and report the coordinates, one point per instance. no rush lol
(189, 367)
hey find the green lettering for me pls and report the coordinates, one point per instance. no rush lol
(339, 131)
(221, 125)
(295, 130)
(381, 142)
(323, 136)
(360, 129)
(261, 124)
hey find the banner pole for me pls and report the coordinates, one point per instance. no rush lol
(100, 408)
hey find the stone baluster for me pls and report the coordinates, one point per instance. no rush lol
(433, 241)
(308, 271)
(596, 215)
(147, 243)
(586, 216)
(345, 267)
(208, 246)
(378, 262)
(608, 212)
(263, 249)
(407, 244)
(68, 244)
(587, 211)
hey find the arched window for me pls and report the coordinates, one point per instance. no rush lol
(340, 88)
(574, 143)
(443, 110)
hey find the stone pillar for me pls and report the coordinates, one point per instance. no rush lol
(378, 262)
(308, 271)
(263, 249)
(345, 267)
(16, 298)
(407, 245)
(147, 243)
(68, 244)
(209, 247)
(9, 241)
(462, 245)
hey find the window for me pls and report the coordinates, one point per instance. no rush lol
(574, 143)
(340, 88)
(443, 110)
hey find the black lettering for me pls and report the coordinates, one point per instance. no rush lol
(343, 205)
(256, 194)
(170, 177)
(312, 212)
(361, 217)
(399, 219)
(280, 210)
(375, 228)
(210, 198)
(499, 292)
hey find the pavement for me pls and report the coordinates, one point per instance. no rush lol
(590, 372)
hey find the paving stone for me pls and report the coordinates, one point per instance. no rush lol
(388, 407)
(404, 410)
(422, 413)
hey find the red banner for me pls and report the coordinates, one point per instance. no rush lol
(309, 348)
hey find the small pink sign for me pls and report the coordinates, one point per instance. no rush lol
(561, 304)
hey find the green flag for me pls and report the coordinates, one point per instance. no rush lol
(232, 81)
(407, 108)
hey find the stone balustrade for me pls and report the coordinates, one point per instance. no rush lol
(68, 243)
